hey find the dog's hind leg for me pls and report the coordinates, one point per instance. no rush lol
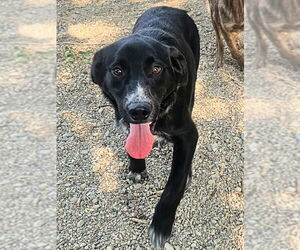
(137, 169)
(220, 45)
(261, 44)
(163, 219)
(231, 39)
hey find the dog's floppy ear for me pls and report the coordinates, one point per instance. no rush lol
(179, 65)
(98, 69)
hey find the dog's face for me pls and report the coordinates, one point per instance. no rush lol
(138, 74)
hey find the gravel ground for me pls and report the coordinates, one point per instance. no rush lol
(272, 173)
(98, 208)
(27, 125)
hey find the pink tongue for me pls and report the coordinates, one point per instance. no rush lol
(140, 141)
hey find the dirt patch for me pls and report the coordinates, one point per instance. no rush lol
(171, 3)
(208, 107)
(39, 3)
(81, 2)
(95, 32)
(39, 31)
(235, 200)
(33, 123)
(292, 236)
(77, 123)
(105, 165)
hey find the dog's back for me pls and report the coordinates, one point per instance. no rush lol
(277, 10)
(166, 25)
(232, 10)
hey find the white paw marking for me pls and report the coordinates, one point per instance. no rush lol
(188, 182)
(135, 177)
(157, 240)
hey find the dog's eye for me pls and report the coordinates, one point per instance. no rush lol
(117, 72)
(156, 70)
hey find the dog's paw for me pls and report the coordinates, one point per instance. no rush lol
(259, 62)
(159, 232)
(160, 143)
(188, 182)
(218, 62)
(137, 177)
(157, 239)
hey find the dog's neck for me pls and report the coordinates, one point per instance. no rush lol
(168, 102)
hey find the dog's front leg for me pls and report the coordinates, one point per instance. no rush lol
(137, 169)
(163, 219)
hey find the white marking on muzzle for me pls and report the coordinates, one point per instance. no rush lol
(120, 124)
(138, 95)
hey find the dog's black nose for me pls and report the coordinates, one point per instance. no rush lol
(139, 111)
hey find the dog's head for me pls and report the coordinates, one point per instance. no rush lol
(138, 75)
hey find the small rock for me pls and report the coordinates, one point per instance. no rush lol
(73, 200)
(84, 151)
(243, 136)
(291, 190)
(109, 248)
(43, 185)
(298, 185)
(168, 246)
(137, 178)
(80, 223)
(214, 176)
(39, 223)
(253, 147)
(214, 146)
(96, 207)
(100, 110)
(36, 201)
(297, 136)
(130, 197)
(211, 182)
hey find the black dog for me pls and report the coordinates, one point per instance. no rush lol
(149, 77)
